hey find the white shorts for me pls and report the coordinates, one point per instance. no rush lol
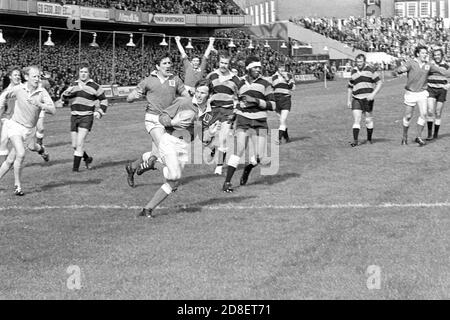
(42, 114)
(3, 138)
(152, 122)
(413, 98)
(171, 146)
(13, 128)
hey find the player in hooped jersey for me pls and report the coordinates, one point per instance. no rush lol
(437, 90)
(283, 83)
(223, 101)
(255, 99)
(363, 86)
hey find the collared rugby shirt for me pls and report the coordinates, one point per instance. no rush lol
(84, 98)
(260, 89)
(418, 74)
(160, 94)
(436, 80)
(26, 112)
(281, 86)
(363, 82)
(225, 89)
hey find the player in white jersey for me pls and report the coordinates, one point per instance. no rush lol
(15, 79)
(31, 99)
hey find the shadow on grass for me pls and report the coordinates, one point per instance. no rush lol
(58, 144)
(198, 206)
(102, 165)
(187, 180)
(295, 139)
(274, 179)
(48, 164)
(71, 183)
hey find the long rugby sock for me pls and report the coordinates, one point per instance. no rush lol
(286, 136)
(280, 134)
(430, 128)
(355, 134)
(405, 132)
(85, 156)
(76, 163)
(436, 130)
(221, 158)
(230, 173)
(158, 197)
(369, 134)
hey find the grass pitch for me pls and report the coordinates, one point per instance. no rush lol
(310, 232)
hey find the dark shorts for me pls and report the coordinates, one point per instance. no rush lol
(244, 123)
(283, 103)
(221, 114)
(362, 104)
(85, 122)
(437, 93)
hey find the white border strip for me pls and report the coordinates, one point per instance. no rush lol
(249, 207)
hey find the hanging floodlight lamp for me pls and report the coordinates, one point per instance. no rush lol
(163, 42)
(283, 45)
(49, 41)
(189, 46)
(131, 43)
(2, 40)
(266, 45)
(231, 44)
(94, 42)
(250, 46)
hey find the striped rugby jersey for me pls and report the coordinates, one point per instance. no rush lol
(363, 82)
(225, 89)
(84, 97)
(436, 80)
(260, 89)
(281, 86)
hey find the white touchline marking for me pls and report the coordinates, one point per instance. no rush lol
(238, 207)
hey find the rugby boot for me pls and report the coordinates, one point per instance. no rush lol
(147, 213)
(146, 165)
(420, 141)
(44, 154)
(88, 161)
(130, 172)
(18, 191)
(227, 187)
(248, 168)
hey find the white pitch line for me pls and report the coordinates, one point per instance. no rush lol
(249, 207)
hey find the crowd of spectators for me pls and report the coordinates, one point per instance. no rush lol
(225, 7)
(131, 64)
(396, 36)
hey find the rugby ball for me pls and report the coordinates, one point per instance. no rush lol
(184, 116)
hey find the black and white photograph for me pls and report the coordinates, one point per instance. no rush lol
(246, 152)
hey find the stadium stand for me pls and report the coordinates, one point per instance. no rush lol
(61, 60)
(219, 7)
(396, 36)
